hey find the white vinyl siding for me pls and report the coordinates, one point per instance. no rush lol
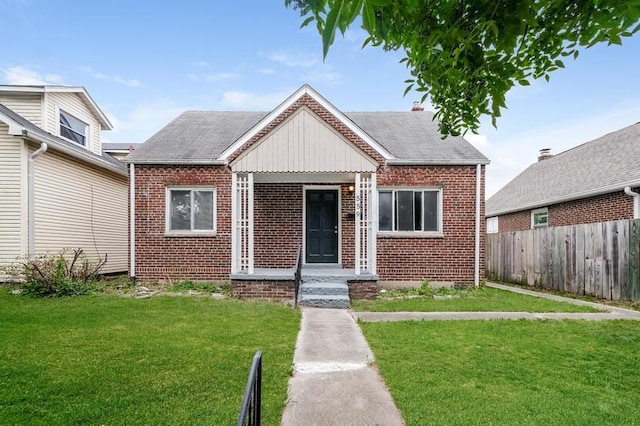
(304, 143)
(71, 103)
(28, 105)
(12, 204)
(80, 206)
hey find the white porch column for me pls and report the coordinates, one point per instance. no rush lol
(366, 206)
(358, 212)
(235, 249)
(250, 222)
(373, 234)
(241, 223)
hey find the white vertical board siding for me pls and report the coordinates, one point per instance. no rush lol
(71, 103)
(12, 207)
(79, 206)
(304, 143)
(28, 105)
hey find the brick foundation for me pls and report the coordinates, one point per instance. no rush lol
(282, 290)
(363, 290)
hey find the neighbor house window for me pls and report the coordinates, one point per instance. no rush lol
(417, 210)
(492, 225)
(73, 129)
(191, 210)
(539, 218)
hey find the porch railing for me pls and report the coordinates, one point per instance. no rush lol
(250, 410)
(297, 277)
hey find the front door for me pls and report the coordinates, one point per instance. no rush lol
(322, 226)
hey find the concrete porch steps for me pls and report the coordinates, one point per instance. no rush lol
(324, 295)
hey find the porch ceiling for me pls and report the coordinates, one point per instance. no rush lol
(304, 177)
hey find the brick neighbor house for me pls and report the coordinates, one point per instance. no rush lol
(221, 195)
(597, 181)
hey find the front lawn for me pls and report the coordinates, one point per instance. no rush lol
(115, 360)
(482, 299)
(510, 372)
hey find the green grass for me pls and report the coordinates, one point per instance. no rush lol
(484, 299)
(511, 372)
(164, 360)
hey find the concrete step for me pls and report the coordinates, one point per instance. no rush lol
(325, 301)
(326, 278)
(322, 288)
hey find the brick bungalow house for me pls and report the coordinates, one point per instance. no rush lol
(219, 195)
(597, 181)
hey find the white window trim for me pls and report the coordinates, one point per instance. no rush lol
(86, 120)
(189, 233)
(536, 211)
(494, 229)
(400, 234)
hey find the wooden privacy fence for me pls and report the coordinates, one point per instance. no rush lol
(598, 259)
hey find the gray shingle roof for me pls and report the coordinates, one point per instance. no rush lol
(201, 136)
(603, 165)
(65, 146)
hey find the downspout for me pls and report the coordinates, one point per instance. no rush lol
(132, 222)
(476, 266)
(30, 197)
(636, 201)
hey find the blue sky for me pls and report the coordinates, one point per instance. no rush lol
(145, 62)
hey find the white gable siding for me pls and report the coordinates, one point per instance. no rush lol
(79, 206)
(12, 205)
(305, 144)
(28, 105)
(73, 104)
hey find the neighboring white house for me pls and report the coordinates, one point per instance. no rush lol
(57, 189)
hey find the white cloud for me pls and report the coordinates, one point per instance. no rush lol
(248, 100)
(294, 58)
(23, 76)
(323, 76)
(220, 76)
(129, 82)
(143, 121)
(267, 71)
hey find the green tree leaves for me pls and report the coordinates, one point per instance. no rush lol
(466, 55)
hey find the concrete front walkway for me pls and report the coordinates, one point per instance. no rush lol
(608, 312)
(334, 382)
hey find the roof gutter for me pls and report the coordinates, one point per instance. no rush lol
(636, 201)
(41, 138)
(177, 162)
(557, 200)
(398, 162)
(30, 196)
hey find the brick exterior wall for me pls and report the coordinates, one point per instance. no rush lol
(446, 259)
(363, 290)
(161, 257)
(278, 226)
(601, 208)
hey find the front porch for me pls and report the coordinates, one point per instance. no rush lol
(279, 283)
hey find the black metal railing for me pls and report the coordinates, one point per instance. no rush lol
(252, 400)
(297, 277)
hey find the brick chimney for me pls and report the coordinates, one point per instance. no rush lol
(417, 107)
(545, 153)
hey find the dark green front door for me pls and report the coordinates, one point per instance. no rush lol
(322, 226)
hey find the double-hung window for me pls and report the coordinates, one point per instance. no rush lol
(539, 218)
(410, 210)
(191, 210)
(73, 129)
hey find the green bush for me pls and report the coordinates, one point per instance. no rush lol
(67, 273)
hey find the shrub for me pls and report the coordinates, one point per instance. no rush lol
(67, 273)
